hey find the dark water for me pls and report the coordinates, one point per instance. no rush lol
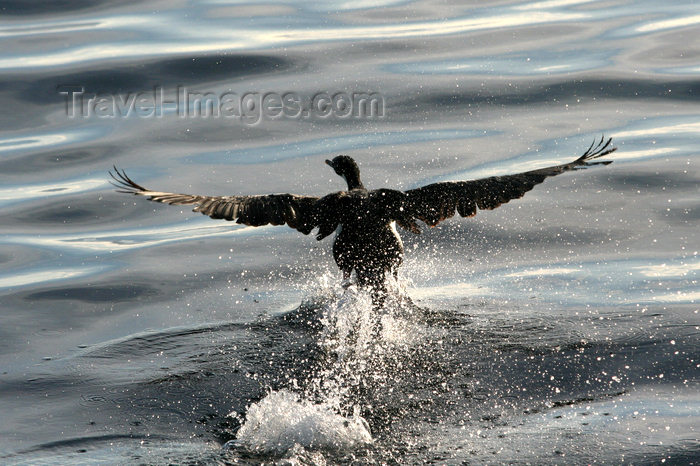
(561, 328)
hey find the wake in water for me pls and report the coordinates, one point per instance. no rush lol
(359, 349)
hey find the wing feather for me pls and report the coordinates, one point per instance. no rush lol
(299, 212)
(438, 201)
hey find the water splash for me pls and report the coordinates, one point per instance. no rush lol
(359, 345)
(283, 421)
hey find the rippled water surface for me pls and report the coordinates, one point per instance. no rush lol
(561, 328)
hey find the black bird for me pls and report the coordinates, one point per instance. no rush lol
(364, 220)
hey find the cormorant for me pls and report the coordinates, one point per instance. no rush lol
(364, 220)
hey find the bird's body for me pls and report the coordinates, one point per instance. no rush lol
(363, 220)
(366, 239)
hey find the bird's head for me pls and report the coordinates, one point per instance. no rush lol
(343, 165)
(346, 167)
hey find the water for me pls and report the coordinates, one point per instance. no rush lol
(561, 328)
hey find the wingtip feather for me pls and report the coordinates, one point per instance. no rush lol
(125, 184)
(599, 148)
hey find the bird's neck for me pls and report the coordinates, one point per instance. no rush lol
(353, 181)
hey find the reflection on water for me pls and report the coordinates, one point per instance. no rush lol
(19, 193)
(561, 327)
(514, 64)
(115, 240)
(35, 277)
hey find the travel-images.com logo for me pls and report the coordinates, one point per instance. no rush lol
(249, 108)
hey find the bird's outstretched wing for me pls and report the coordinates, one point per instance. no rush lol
(438, 201)
(272, 209)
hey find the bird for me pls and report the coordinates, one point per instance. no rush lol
(364, 220)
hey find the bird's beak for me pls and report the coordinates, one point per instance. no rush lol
(329, 163)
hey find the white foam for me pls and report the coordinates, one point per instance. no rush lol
(359, 341)
(282, 421)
